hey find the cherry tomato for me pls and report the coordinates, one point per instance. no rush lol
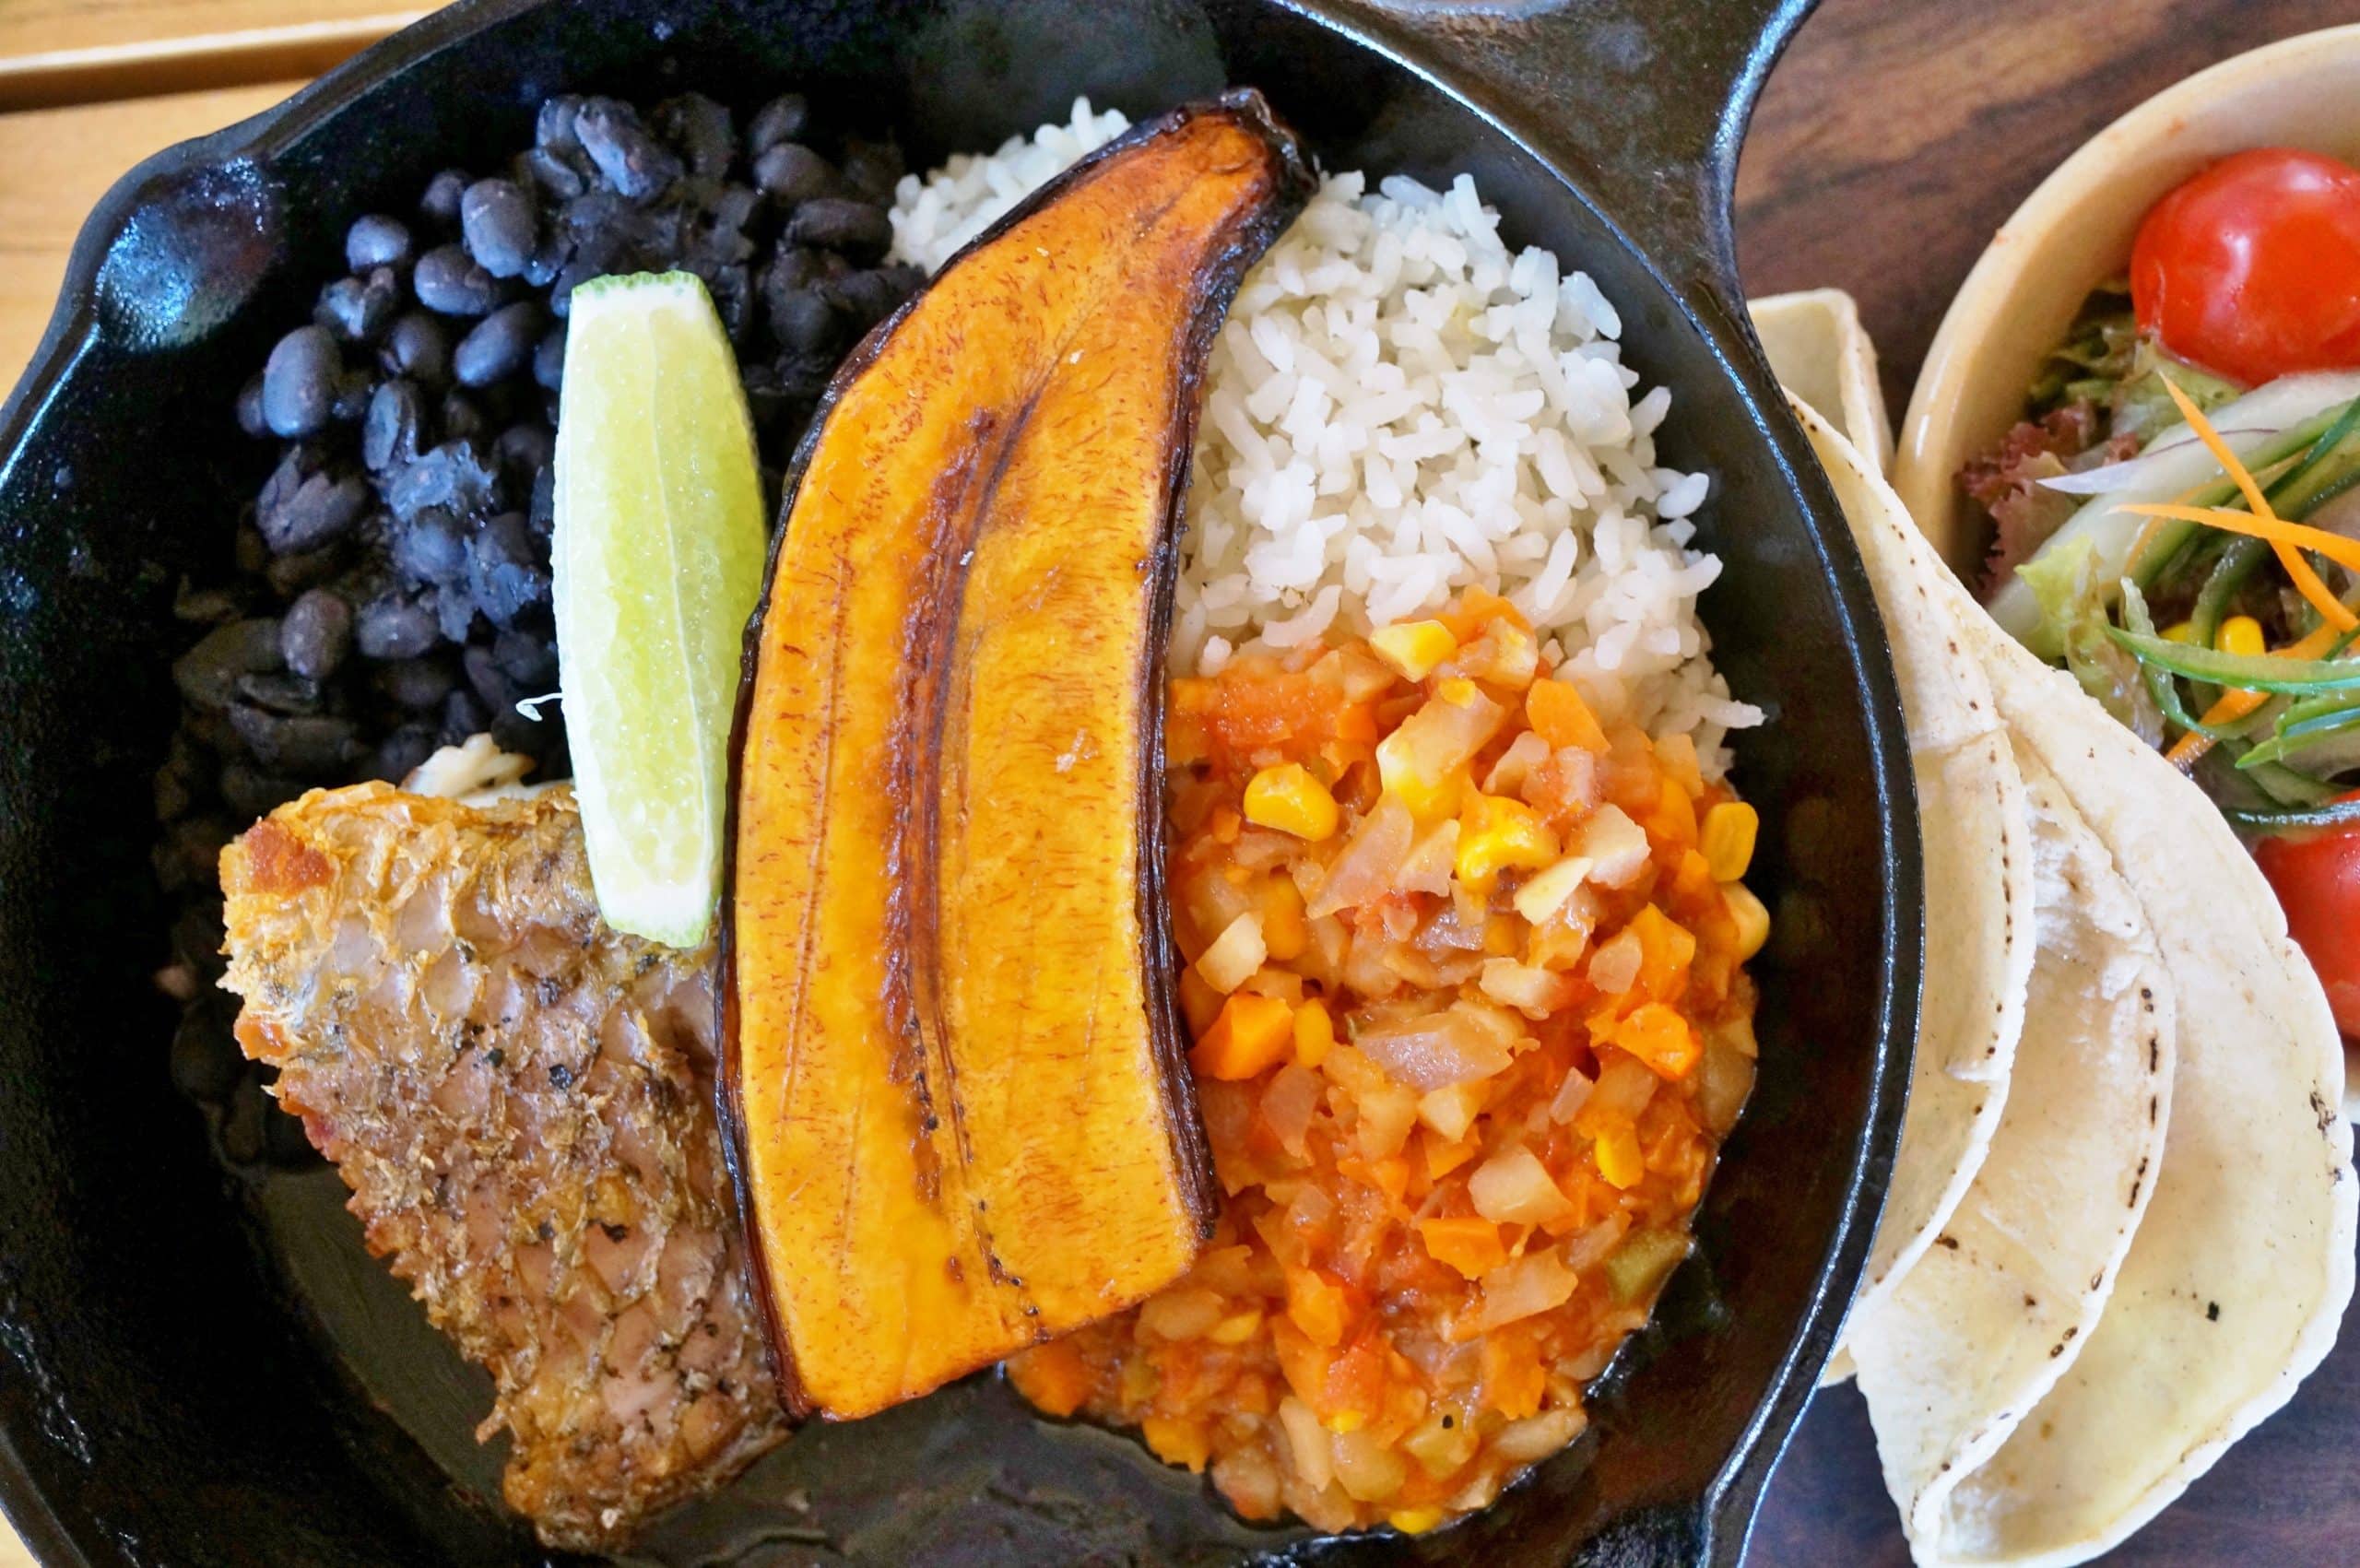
(2317, 877)
(2252, 268)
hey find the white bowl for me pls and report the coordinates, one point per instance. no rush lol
(2075, 232)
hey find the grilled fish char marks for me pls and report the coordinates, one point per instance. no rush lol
(521, 1101)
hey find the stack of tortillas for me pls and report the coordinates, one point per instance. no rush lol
(2121, 1228)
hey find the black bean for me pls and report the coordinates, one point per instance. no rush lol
(856, 229)
(454, 610)
(440, 202)
(402, 751)
(553, 128)
(393, 429)
(525, 450)
(717, 228)
(242, 1133)
(463, 417)
(541, 513)
(430, 546)
(178, 782)
(500, 345)
(527, 660)
(290, 575)
(507, 568)
(701, 129)
(208, 673)
(392, 626)
(417, 684)
(464, 714)
(419, 347)
(205, 1063)
(448, 280)
(281, 691)
(250, 417)
(377, 241)
(869, 297)
(634, 162)
(782, 119)
(357, 309)
(316, 634)
(298, 384)
(490, 681)
(805, 376)
(252, 793)
(500, 226)
(321, 508)
(549, 358)
(790, 172)
(872, 169)
(456, 474)
(305, 745)
(538, 738)
(553, 175)
(803, 321)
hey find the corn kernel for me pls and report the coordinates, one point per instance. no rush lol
(1414, 1521)
(1730, 828)
(1314, 1033)
(2183, 633)
(1236, 1328)
(1344, 1422)
(1458, 691)
(1495, 833)
(1753, 920)
(2241, 634)
(1289, 799)
(1285, 933)
(1413, 648)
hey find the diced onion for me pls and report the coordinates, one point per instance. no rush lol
(1515, 1189)
(1536, 1437)
(1234, 955)
(1534, 1283)
(1535, 993)
(1289, 1104)
(1625, 1084)
(1525, 753)
(1433, 1051)
(1308, 1441)
(1615, 846)
(1614, 967)
(1572, 1095)
(1370, 865)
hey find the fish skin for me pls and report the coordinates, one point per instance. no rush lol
(521, 1100)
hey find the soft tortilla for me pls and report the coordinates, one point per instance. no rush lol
(1998, 1311)
(1822, 355)
(1977, 829)
(2238, 1277)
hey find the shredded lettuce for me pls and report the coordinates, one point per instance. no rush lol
(2068, 583)
(2143, 409)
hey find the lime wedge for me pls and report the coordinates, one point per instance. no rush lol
(658, 563)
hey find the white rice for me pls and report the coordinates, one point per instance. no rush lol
(1400, 407)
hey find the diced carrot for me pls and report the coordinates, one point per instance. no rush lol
(1659, 1037)
(1356, 1379)
(1226, 824)
(1478, 608)
(1390, 1176)
(1443, 1155)
(1470, 1245)
(1252, 1035)
(1054, 1377)
(1318, 1306)
(1666, 949)
(1672, 824)
(1314, 1033)
(1514, 1377)
(1177, 1442)
(1561, 717)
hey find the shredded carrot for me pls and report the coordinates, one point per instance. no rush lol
(2335, 546)
(2298, 569)
(2233, 705)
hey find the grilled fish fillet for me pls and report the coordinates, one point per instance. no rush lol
(521, 1101)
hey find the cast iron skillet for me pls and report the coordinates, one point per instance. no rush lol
(203, 1369)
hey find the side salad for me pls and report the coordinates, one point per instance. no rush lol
(2177, 520)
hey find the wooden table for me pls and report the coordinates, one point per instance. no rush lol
(1894, 137)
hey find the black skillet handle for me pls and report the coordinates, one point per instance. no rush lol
(1645, 99)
